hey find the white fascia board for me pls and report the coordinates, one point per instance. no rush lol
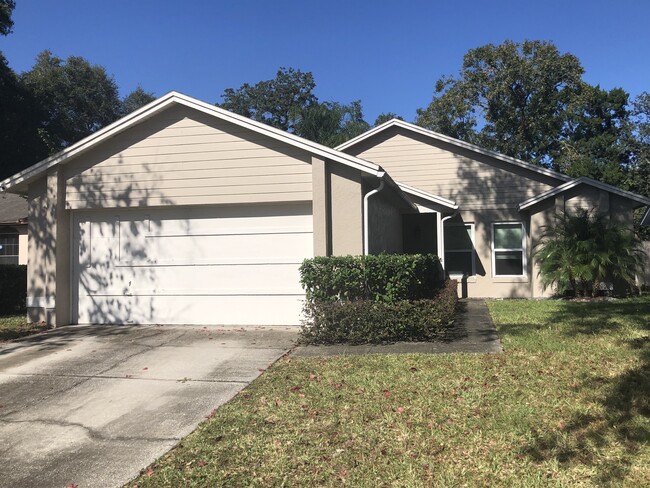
(455, 142)
(428, 196)
(586, 181)
(177, 98)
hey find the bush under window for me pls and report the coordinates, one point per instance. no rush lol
(381, 298)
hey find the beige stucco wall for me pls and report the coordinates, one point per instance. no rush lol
(346, 210)
(48, 267)
(484, 284)
(184, 157)
(473, 180)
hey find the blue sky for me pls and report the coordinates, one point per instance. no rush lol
(386, 53)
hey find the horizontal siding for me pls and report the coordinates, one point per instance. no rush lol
(472, 183)
(184, 157)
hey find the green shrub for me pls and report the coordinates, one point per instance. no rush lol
(383, 278)
(580, 251)
(13, 288)
(371, 321)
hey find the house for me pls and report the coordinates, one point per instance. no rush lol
(184, 213)
(13, 229)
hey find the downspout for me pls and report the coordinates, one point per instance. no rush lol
(442, 237)
(365, 211)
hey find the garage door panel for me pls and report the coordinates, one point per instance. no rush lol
(204, 280)
(225, 310)
(171, 265)
(220, 248)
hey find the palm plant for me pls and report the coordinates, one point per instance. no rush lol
(580, 251)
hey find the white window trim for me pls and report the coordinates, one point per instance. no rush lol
(473, 250)
(524, 253)
(17, 236)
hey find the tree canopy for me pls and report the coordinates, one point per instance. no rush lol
(274, 102)
(75, 97)
(288, 102)
(385, 117)
(6, 22)
(330, 123)
(138, 98)
(511, 98)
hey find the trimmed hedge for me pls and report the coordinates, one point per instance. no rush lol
(364, 321)
(13, 288)
(383, 278)
(382, 298)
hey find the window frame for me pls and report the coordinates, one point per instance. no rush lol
(472, 250)
(17, 245)
(523, 250)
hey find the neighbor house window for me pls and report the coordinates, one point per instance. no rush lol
(508, 249)
(459, 249)
(8, 248)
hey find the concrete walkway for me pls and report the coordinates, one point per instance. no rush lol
(473, 332)
(93, 405)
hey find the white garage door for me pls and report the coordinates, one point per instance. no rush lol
(225, 265)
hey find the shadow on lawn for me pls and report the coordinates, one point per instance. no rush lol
(626, 401)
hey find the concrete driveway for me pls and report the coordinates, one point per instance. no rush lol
(93, 405)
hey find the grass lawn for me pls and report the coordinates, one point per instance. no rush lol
(567, 404)
(14, 326)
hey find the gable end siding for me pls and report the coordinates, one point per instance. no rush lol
(183, 157)
(472, 180)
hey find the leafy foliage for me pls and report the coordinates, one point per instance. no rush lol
(6, 22)
(13, 283)
(639, 169)
(375, 298)
(19, 122)
(385, 117)
(518, 93)
(274, 102)
(330, 123)
(382, 278)
(594, 139)
(75, 97)
(138, 98)
(368, 321)
(579, 252)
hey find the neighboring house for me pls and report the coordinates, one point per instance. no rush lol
(182, 212)
(13, 229)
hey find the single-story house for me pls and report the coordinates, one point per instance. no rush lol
(183, 212)
(13, 229)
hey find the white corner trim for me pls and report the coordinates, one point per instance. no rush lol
(41, 302)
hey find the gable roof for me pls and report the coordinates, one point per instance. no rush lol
(450, 140)
(13, 209)
(583, 180)
(175, 98)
